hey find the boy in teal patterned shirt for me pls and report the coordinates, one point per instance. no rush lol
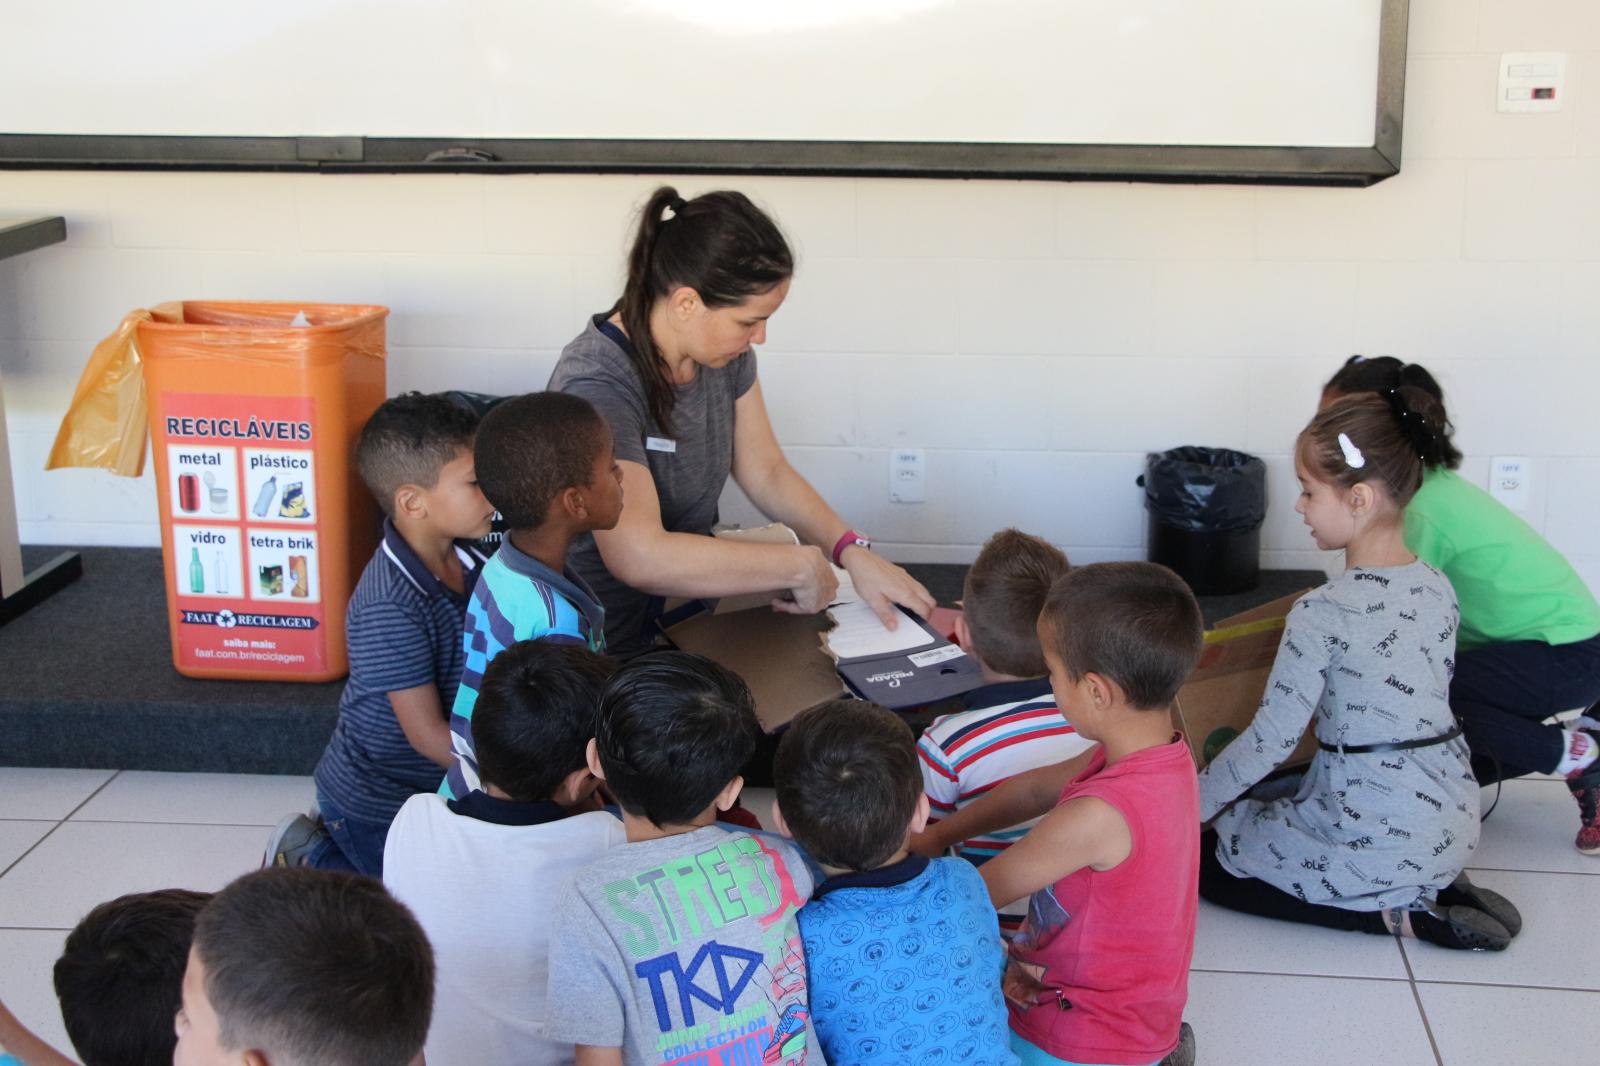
(545, 461)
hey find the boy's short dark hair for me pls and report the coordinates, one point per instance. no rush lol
(674, 729)
(848, 782)
(530, 448)
(120, 977)
(408, 439)
(1134, 623)
(316, 966)
(1005, 591)
(535, 716)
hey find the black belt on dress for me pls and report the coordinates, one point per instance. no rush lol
(1399, 745)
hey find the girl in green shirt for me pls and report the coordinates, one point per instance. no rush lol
(1529, 643)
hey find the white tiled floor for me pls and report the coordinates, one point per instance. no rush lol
(1261, 992)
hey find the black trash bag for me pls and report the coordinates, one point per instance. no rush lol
(479, 403)
(1205, 490)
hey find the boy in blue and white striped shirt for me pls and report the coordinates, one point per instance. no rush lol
(403, 628)
(545, 461)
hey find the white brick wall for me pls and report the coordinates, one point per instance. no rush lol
(1035, 338)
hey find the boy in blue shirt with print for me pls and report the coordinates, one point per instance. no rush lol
(403, 630)
(903, 952)
(545, 461)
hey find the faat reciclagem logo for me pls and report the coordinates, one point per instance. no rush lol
(226, 619)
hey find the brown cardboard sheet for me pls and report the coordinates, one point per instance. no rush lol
(1220, 698)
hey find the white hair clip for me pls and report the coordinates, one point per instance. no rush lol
(1352, 455)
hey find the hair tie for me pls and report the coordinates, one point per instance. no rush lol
(1352, 455)
(674, 205)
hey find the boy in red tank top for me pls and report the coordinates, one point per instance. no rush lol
(1099, 973)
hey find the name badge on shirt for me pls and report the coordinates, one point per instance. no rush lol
(660, 444)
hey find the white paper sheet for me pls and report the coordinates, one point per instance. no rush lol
(858, 633)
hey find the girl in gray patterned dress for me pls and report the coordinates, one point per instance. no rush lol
(1384, 820)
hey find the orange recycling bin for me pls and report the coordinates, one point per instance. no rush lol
(265, 526)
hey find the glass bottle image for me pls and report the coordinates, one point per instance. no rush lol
(219, 575)
(197, 572)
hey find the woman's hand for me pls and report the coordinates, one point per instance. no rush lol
(813, 586)
(881, 584)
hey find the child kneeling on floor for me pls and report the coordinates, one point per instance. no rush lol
(904, 952)
(482, 873)
(680, 944)
(1375, 837)
(1099, 972)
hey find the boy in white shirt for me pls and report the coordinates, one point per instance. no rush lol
(482, 873)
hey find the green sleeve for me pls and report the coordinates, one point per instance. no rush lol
(1428, 541)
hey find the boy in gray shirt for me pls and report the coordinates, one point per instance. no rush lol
(682, 944)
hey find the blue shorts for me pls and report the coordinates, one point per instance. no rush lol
(1033, 1055)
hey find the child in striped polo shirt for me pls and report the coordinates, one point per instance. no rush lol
(1012, 723)
(545, 461)
(403, 630)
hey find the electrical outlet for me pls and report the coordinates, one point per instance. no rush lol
(1510, 478)
(907, 475)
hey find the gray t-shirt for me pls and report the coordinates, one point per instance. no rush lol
(690, 465)
(685, 948)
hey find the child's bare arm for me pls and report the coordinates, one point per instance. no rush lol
(1081, 832)
(1012, 802)
(598, 1056)
(422, 719)
(28, 1049)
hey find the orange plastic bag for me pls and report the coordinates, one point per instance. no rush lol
(105, 424)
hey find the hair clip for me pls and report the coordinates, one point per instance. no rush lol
(1352, 455)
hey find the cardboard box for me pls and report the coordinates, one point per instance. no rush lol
(1220, 698)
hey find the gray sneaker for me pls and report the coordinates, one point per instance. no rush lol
(1183, 1054)
(293, 840)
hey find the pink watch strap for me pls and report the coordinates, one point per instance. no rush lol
(851, 537)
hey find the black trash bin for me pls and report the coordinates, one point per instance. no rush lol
(1205, 507)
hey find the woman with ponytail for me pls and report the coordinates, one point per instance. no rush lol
(672, 368)
(1529, 643)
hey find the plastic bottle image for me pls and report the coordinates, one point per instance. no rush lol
(197, 572)
(219, 575)
(264, 498)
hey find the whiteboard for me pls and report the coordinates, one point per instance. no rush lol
(1031, 73)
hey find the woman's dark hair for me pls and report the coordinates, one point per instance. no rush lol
(1398, 434)
(1382, 373)
(673, 730)
(720, 245)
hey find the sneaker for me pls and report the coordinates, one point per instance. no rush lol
(1585, 786)
(293, 840)
(1183, 1054)
(1463, 893)
(1461, 928)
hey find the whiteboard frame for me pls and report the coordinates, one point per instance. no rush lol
(1274, 165)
